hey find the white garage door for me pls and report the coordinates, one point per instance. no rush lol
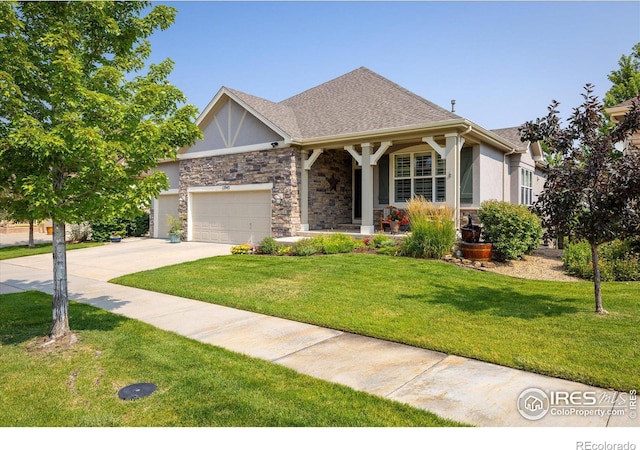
(167, 205)
(235, 217)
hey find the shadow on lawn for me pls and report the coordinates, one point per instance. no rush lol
(27, 315)
(501, 302)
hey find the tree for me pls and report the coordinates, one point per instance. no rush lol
(73, 102)
(626, 80)
(594, 192)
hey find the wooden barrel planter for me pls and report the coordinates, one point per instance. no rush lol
(477, 251)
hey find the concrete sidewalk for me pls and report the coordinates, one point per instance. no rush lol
(454, 387)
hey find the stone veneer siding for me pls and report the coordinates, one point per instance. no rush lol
(278, 166)
(330, 190)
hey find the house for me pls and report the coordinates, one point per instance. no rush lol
(338, 153)
(618, 112)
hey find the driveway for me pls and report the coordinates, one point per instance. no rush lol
(115, 259)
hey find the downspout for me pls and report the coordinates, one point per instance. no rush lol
(504, 162)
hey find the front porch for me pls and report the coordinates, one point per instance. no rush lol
(349, 188)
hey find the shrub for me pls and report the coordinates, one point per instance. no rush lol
(577, 260)
(241, 249)
(337, 243)
(513, 229)
(432, 230)
(618, 260)
(79, 232)
(282, 250)
(138, 225)
(388, 250)
(306, 247)
(382, 240)
(268, 246)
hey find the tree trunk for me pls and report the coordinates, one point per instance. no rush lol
(31, 243)
(60, 303)
(596, 279)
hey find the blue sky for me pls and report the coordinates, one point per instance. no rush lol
(503, 62)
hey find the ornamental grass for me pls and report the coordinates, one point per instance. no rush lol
(433, 232)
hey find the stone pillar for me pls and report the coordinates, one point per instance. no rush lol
(304, 193)
(367, 226)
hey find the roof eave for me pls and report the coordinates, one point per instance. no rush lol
(382, 134)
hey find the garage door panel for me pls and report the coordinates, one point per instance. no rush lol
(231, 217)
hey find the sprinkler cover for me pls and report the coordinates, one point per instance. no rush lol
(134, 391)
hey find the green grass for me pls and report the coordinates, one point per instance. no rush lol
(18, 251)
(198, 384)
(539, 326)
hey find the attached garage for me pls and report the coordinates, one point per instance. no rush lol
(166, 204)
(230, 214)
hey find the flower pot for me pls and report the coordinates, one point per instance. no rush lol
(49, 230)
(394, 226)
(477, 251)
(174, 238)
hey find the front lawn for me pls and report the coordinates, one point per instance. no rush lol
(199, 385)
(18, 251)
(539, 326)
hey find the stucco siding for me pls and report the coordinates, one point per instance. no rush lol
(172, 170)
(491, 174)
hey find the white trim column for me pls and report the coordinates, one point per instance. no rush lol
(367, 226)
(451, 154)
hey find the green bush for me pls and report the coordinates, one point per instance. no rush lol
(382, 240)
(388, 250)
(101, 231)
(618, 260)
(337, 243)
(577, 260)
(306, 247)
(268, 246)
(513, 229)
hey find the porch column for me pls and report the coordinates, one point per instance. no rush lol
(307, 162)
(366, 227)
(304, 193)
(451, 154)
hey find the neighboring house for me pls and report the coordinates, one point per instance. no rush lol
(338, 153)
(618, 112)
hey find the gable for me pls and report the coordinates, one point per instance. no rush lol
(230, 126)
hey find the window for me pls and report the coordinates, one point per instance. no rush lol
(526, 187)
(422, 173)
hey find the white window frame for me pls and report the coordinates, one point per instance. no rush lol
(526, 186)
(436, 174)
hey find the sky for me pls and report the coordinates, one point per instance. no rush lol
(502, 62)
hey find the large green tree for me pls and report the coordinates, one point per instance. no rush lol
(80, 104)
(626, 80)
(593, 192)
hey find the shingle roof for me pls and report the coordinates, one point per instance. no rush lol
(358, 101)
(627, 102)
(280, 115)
(512, 135)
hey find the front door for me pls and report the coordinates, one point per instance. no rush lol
(357, 193)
